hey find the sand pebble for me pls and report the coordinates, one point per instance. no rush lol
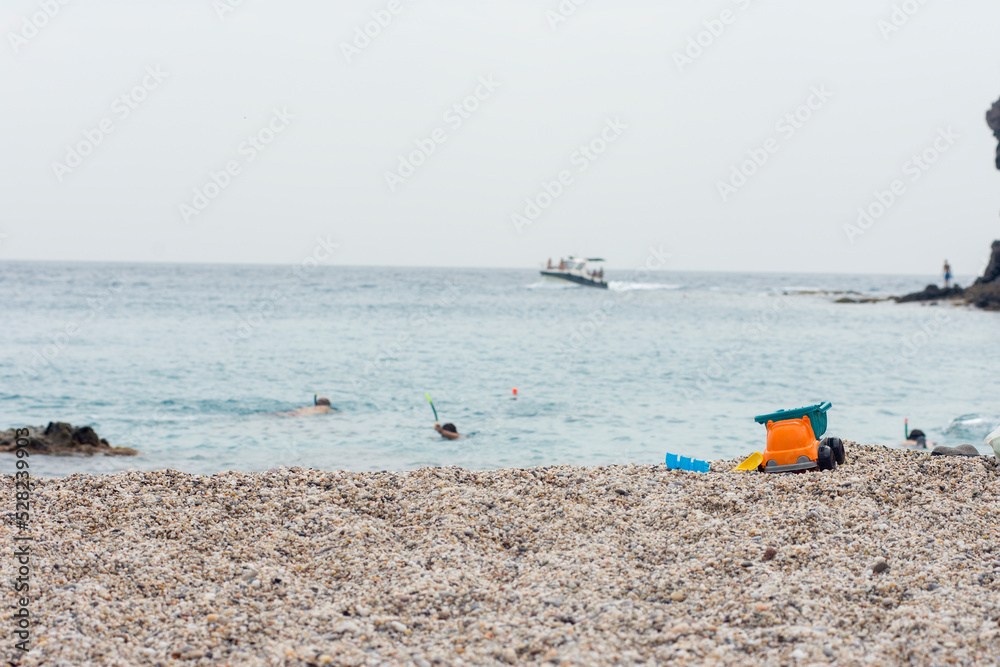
(445, 566)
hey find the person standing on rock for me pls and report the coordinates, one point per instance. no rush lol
(947, 274)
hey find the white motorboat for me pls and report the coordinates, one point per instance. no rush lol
(577, 270)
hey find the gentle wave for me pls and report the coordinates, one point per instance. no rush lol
(972, 426)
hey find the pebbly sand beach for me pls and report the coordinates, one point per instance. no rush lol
(892, 559)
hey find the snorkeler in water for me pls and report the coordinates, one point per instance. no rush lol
(447, 431)
(320, 406)
(916, 439)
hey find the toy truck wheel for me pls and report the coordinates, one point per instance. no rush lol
(837, 445)
(825, 458)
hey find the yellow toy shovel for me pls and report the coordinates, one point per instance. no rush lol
(752, 463)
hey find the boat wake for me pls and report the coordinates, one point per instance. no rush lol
(624, 286)
(552, 284)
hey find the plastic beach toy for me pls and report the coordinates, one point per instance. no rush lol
(675, 462)
(793, 440)
(752, 463)
(993, 440)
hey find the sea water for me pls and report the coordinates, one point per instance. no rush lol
(198, 366)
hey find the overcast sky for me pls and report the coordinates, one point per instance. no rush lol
(184, 85)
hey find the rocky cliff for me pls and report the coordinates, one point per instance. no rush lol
(993, 120)
(985, 292)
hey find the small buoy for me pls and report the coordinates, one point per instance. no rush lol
(515, 392)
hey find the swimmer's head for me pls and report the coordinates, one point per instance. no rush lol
(450, 428)
(323, 401)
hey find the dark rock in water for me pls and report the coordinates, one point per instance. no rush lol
(985, 296)
(61, 439)
(961, 450)
(933, 293)
(87, 436)
(861, 299)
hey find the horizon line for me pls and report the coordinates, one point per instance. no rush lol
(460, 267)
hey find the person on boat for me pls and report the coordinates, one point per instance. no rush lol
(562, 264)
(549, 267)
(447, 431)
(320, 406)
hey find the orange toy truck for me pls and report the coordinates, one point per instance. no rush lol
(793, 441)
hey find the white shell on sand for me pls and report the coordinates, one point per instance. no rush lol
(892, 559)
